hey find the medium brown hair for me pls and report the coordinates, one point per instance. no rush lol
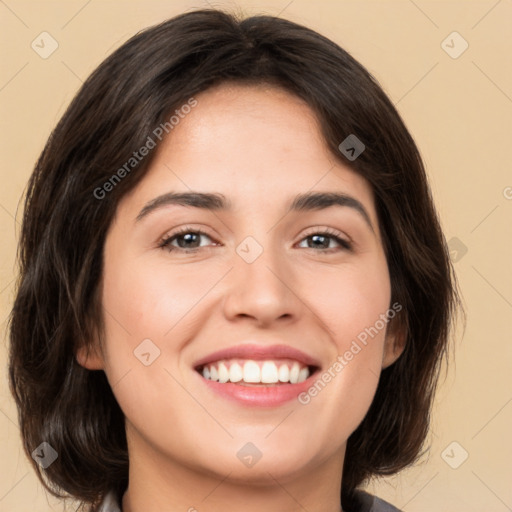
(57, 307)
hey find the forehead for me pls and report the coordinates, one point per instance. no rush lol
(254, 120)
(257, 145)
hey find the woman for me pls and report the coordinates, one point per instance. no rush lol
(234, 290)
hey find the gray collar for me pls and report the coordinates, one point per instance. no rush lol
(368, 503)
(110, 503)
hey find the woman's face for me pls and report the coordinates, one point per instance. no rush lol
(287, 293)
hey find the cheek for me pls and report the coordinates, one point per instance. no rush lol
(145, 305)
(351, 299)
(354, 308)
(149, 299)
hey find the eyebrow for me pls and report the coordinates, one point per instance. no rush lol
(308, 201)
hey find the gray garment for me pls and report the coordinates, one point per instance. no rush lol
(367, 503)
(370, 503)
(110, 503)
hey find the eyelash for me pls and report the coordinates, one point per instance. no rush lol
(166, 241)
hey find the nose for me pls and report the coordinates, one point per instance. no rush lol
(264, 291)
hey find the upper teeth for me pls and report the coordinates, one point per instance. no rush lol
(256, 372)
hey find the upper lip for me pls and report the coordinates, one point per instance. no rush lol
(258, 352)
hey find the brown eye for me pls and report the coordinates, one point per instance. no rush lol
(185, 240)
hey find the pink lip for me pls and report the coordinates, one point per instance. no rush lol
(258, 353)
(263, 396)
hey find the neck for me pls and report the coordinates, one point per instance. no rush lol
(158, 483)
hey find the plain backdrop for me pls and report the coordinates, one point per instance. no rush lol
(457, 103)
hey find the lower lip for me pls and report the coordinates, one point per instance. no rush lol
(262, 396)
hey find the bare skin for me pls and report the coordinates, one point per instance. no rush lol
(259, 147)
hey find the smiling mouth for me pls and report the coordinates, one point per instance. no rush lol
(248, 372)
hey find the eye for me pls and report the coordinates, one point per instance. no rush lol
(322, 240)
(186, 238)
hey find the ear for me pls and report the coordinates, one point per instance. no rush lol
(89, 357)
(394, 343)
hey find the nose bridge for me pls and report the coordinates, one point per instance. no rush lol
(259, 284)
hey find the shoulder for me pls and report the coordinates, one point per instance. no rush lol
(369, 503)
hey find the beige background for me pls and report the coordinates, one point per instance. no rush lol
(458, 109)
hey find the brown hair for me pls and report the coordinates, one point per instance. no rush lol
(57, 306)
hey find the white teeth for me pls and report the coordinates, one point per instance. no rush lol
(303, 375)
(284, 373)
(269, 373)
(252, 373)
(294, 373)
(223, 373)
(235, 373)
(256, 372)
